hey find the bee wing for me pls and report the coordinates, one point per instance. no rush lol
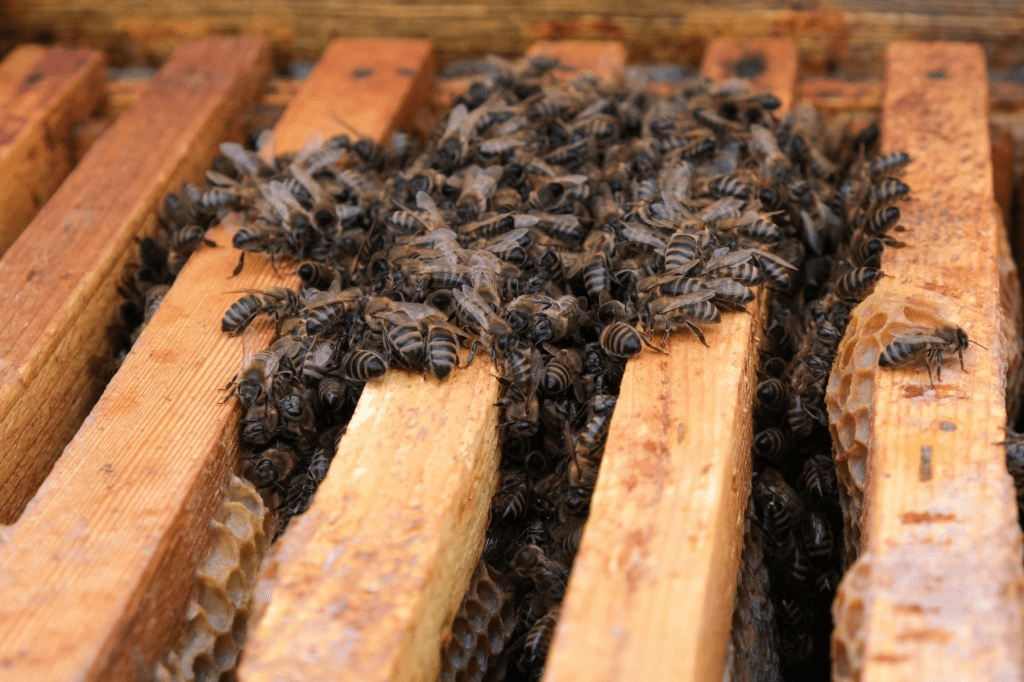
(508, 239)
(250, 345)
(689, 299)
(575, 179)
(348, 211)
(220, 179)
(426, 203)
(307, 181)
(321, 353)
(313, 143)
(459, 121)
(921, 337)
(526, 220)
(722, 260)
(473, 304)
(417, 311)
(642, 235)
(240, 158)
(772, 257)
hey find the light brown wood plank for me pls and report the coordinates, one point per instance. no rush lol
(850, 34)
(393, 539)
(605, 58)
(57, 282)
(43, 92)
(96, 573)
(651, 592)
(936, 593)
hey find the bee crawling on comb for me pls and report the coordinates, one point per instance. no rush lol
(928, 344)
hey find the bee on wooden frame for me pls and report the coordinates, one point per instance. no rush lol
(925, 344)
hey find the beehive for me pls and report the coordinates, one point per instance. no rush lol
(155, 482)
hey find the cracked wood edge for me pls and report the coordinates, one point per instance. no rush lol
(937, 592)
(651, 592)
(371, 577)
(57, 282)
(43, 93)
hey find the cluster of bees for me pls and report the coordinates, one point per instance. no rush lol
(794, 488)
(556, 229)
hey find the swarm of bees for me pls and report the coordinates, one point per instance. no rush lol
(795, 487)
(555, 229)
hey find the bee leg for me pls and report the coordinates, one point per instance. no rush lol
(238, 268)
(472, 352)
(696, 330)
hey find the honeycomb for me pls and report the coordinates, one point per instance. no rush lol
(1011, 338)
(481, 629)
(873, 324)
(753, 642)
(218, 614)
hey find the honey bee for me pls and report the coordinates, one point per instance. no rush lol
(889, 189)
(889, 163)
(478, 187)
(662, 314)
(532, 563)
(510, 501)
(538, 638)
(621, 340)
(771, 395)
(777, 505)
(772, 444)
(495, 330)
(442, 349)
(277, 302)
(260, 423)
(817, 536)
(819, 476)
(928, 345)
(332, 391)
(273, 465)
(363, 365)
(256, 383)
(562, 370)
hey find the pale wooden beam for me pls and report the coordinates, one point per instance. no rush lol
(651, 592)
(936, 593)
(58, 281)
(43, 92)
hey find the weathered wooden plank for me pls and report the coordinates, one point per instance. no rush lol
(850, 34)
(936, 593)
(95, 574)
(43, 92)
(394, 540)
(651, 592)
(57, 282)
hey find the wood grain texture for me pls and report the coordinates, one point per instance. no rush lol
(369, 580)
(57, 281)
(651, 591)
(937, 591)
(848, 34)
(370, 68)
(43, 92)
(101, 564)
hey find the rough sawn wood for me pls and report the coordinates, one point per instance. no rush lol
(58, 282)
(651, 591)
(43, 92)
(936, 593)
